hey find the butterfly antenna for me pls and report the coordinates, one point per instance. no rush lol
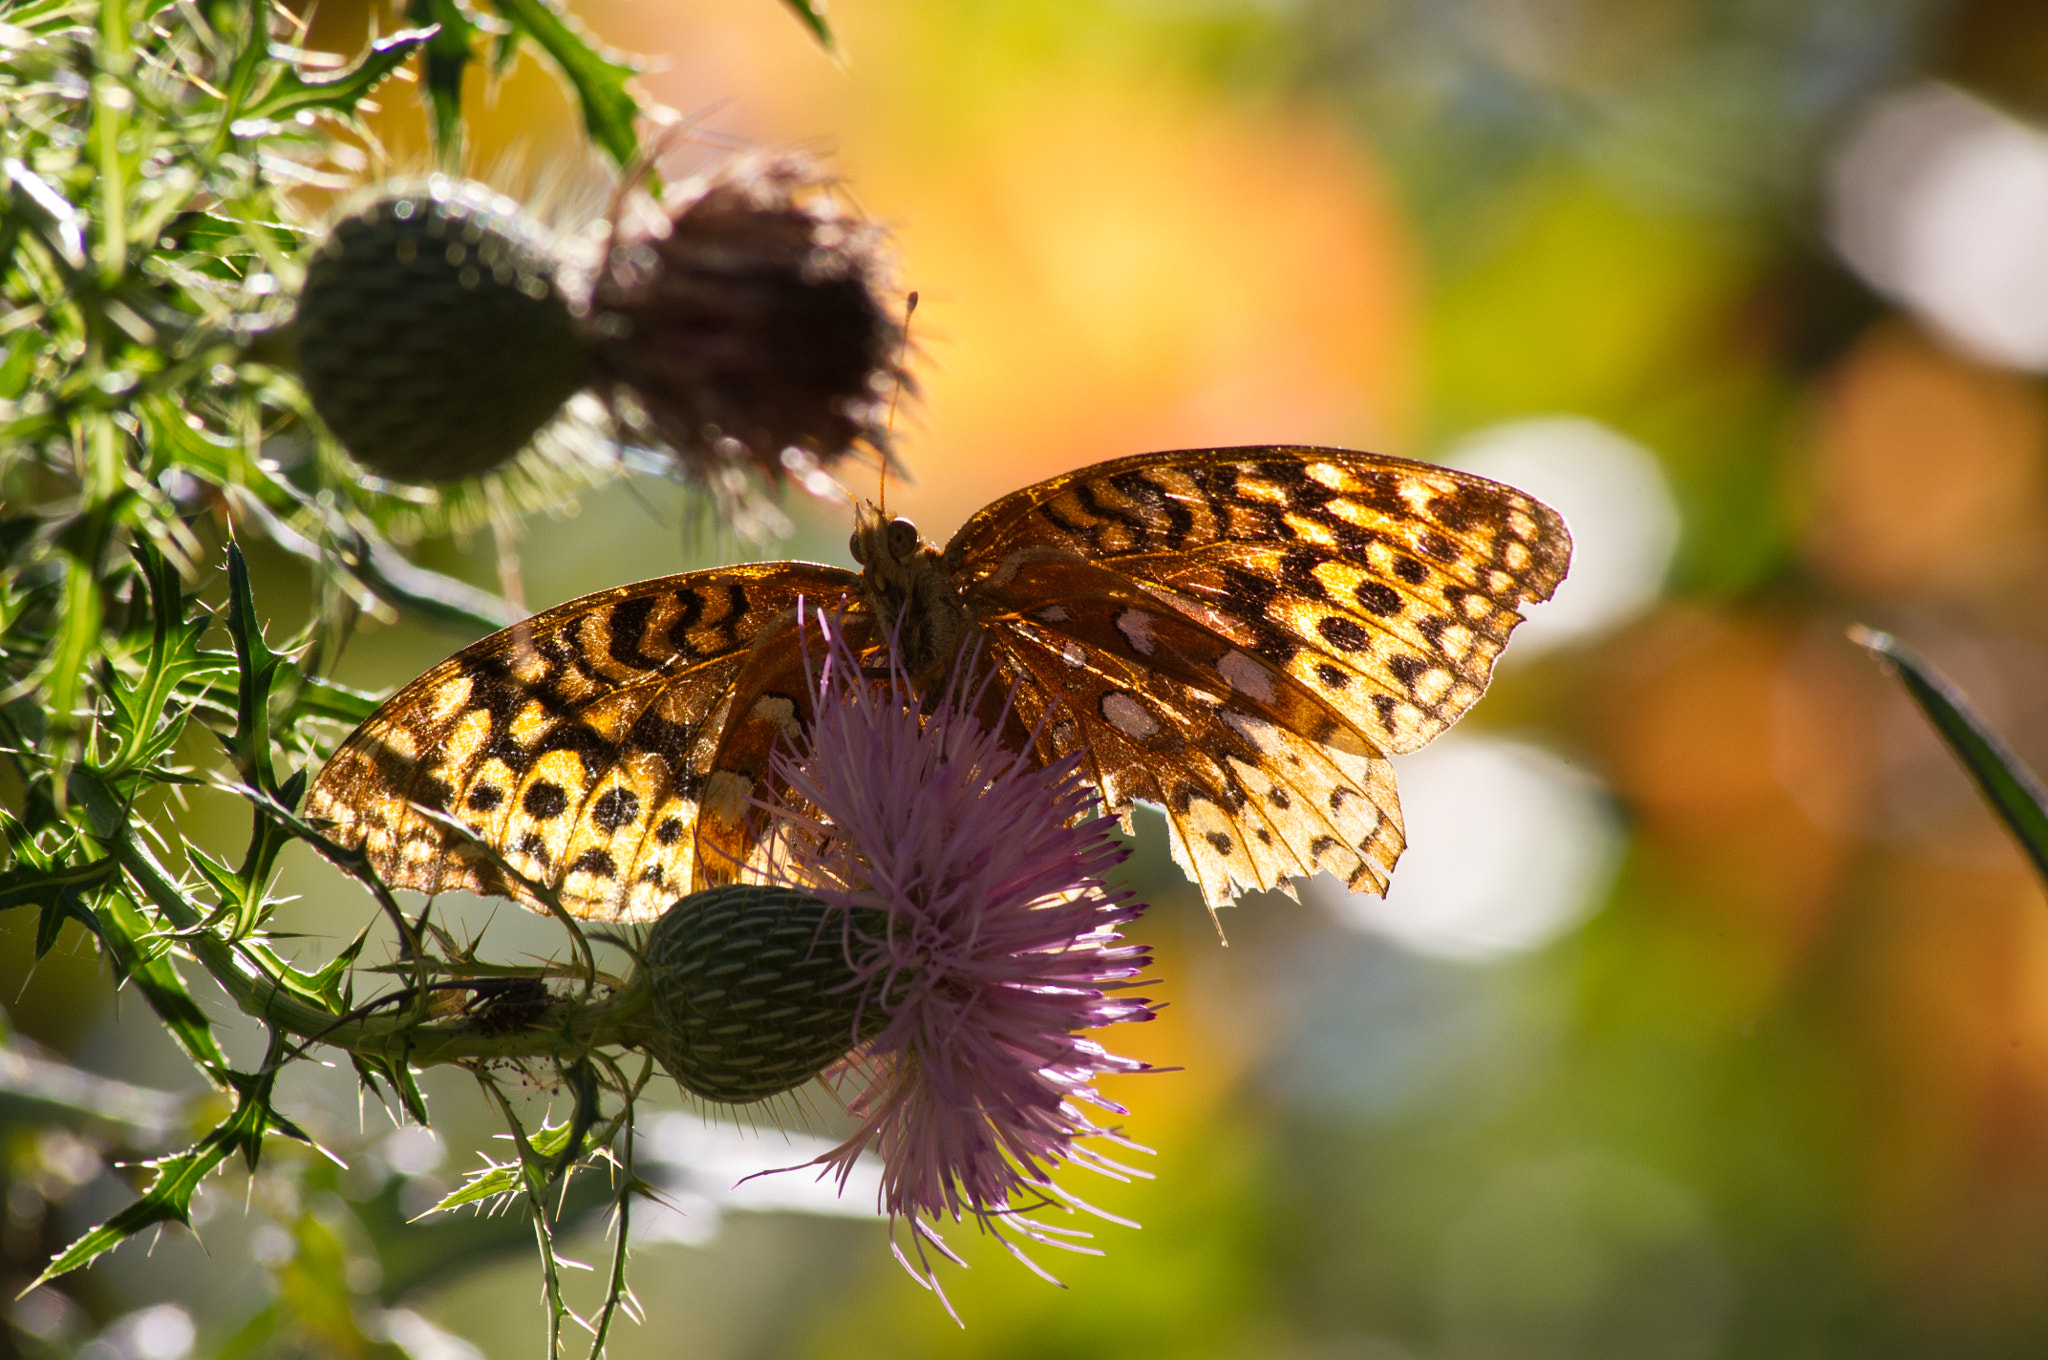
(902, 352)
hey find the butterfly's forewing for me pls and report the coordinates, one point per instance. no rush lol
(1382, 590)
(581, 744)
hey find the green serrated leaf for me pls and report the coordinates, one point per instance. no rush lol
(50, 927)
(227, 890)
(332, 980)
(552, 1143)
(294, 92)
(168, 1200)
(37, 884)
(2007, 784)
(169, 1196)
(609, 109)
(60, 894)
(267, 838)
(143, 725)
(408, 1088)
(256, 671)
(495, 1179)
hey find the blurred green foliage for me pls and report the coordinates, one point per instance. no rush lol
(150, 240)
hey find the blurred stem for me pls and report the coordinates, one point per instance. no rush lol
(511, 580)
(104, 464)
(111, 101)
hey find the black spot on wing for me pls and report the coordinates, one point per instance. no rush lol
(616, 807)
(1343, 633)
(1377, 597)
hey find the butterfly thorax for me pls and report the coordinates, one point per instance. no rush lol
(909, 592)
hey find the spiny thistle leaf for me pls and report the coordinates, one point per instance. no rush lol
(144, 725)
(257, 669)
(169, 1197)
(168, 1200)
(549, 1144)
(295, 92)
(60, 894)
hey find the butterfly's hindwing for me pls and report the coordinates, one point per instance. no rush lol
(579, 744)
(1260, 779)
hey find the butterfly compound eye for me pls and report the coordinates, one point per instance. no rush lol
(853, 546)
(902, 538)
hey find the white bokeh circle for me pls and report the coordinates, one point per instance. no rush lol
(1508, 847)
(1941, 202)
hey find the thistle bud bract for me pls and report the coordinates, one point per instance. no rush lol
(753, 994)
(431, 335)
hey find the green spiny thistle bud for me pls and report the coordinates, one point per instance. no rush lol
(431, 335)
(753, 994)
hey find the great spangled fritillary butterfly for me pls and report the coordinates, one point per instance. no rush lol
(1241, 636)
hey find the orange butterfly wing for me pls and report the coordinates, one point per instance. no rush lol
(1243, 635)
(589, 745)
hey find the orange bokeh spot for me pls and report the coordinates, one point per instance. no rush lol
(1709, 735)
(1930, 471)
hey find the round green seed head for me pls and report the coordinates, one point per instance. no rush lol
(431, 335)
(753, 993)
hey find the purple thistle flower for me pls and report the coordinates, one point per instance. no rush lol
(1000, 949)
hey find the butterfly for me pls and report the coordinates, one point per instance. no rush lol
(1241, 636)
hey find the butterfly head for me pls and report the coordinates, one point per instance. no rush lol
(890, 552)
